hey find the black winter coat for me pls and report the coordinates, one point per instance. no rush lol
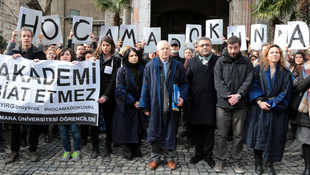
(202, 91)
(233, 76)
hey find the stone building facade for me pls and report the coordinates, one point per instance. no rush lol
(171, 16)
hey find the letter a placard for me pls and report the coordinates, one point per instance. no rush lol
(298, 35)
(151, 36)
(31, 19)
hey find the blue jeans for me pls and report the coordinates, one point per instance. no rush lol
(65, 138)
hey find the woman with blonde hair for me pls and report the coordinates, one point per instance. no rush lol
(267, 121)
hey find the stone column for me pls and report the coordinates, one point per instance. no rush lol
(108, 17)
(141, 16)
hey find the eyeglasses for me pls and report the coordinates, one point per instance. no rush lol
(201, 45)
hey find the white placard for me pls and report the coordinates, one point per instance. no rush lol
(82, 27)
(128, 34)
(151, 37)
(31, 19)
(111, 31)
(181, 40)
(238, 31)
(280, 36)
(192, 34)
(51, 29)
(298, 35)
(258, 36)
(214, 30)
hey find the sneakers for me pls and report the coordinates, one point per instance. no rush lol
(218, 167)
(76, 156)
(12, 158)
(66, 156)
(237, 168)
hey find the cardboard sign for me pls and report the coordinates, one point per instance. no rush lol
(280, 36)
(181, 40)
(128, 34)
(214, 30)
(51, 29)
(151, 37)
(238, 31)
(258, 36)
(82, 27)
(111, 31)
(193, 32)
(31, 19)
(298, 35)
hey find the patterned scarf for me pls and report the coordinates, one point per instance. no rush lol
(305, 101)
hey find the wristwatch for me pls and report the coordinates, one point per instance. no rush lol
(239, 97)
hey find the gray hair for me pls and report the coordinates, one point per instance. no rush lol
(204, 38)
(161, 43)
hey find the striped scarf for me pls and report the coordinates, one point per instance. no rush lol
(305, 101)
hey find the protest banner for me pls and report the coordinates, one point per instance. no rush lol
(214, 30)
(51, 30)
(192, 33)
(180, 39)
(151, 37)
(82, 27)
(258, 36)
(128, 34)
(111, 31)
(238, 31)
(31, 19)
(48, 92)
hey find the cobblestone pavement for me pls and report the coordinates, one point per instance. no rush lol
(50, 163)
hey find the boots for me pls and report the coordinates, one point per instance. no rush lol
(270, 169)
(95, 152)
(258, 156)
(306, 150)
(107, 150)
(127, 151)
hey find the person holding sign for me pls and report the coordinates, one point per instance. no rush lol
(68, 55)
(109, 64)
(200, 74)
(267, 120)
(233, 75)
(128, 126)
(26, 50)
(175, 47)
(160, 75)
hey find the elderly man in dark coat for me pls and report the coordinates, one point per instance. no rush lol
(160, 76)
(200, 74)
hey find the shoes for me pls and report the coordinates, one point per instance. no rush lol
(1, 149)
(196, 159)
(128, 156)
(65, 157)
(172, 165)
(34, 156)
(84, 142)
(237, 168)
(270, 169)
(76, 155)
(47, 138)
(153, 165)
(218, 167)
(258, 168)
(12, 158)
(210, 161)
(137, 152)
(106, 152)
(95, 153)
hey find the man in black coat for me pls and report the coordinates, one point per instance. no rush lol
(200, 74)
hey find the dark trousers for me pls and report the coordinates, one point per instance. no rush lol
(107, 109)
(203, 138)
(34, 132)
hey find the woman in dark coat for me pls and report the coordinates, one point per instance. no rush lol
(109, 63)
(267, 121)
(127, 121)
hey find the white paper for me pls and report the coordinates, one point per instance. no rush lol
(51, 29)
(238, 31)
(151, 37)
(111, 31)
(192, 34)
(280, 36)
(258, 36)
(128, 34)
(214, 30)
(82, 27)
(298, 35)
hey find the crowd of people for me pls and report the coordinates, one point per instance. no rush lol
(246, 97)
